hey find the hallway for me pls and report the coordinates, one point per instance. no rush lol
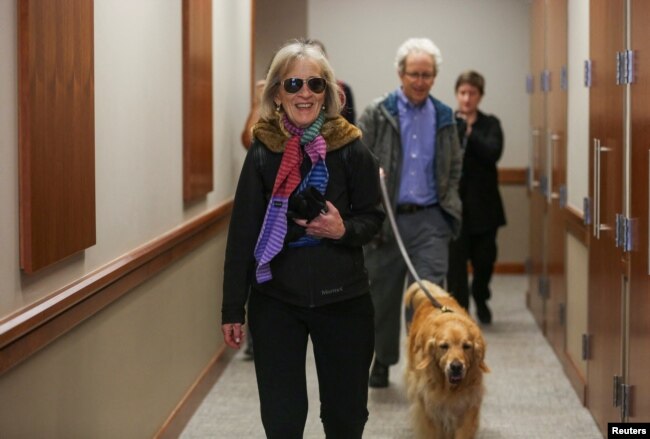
(528, 395)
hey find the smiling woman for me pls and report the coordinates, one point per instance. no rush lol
(302, 104)
(305, 273)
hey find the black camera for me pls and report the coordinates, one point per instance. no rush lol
(307, 204)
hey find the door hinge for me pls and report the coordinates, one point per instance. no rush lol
(629, 66)
(528, 265)
(626, 400)
(544, 287)
(562, 314)
(564, 78)
(625, 67)
(625, 232)
(586, 209)
(545, 81)
(587, 80)
(530, 84)
(543, 185)
(563, 196)
(586, 347)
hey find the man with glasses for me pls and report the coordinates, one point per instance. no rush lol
(414, 136)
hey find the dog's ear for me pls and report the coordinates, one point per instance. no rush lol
(426, 354)
(479, 354)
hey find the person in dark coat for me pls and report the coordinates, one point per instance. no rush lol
(483, 211)
(307, 201)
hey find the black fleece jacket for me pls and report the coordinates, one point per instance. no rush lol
(313, 276)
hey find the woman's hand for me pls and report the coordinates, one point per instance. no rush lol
(233, 334)
(326, 225)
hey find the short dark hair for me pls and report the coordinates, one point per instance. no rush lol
(473, 78)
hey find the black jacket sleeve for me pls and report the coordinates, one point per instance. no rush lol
(486, 140)
(246, 220)
(366, 212)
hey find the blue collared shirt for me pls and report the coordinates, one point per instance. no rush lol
(418, 134)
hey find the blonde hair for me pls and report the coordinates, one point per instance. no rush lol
(283, 60)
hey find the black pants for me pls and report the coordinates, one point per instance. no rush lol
(342, 336)
(481, 250)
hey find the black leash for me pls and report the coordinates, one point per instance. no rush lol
(409, 311)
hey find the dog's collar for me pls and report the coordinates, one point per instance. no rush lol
(409, 311)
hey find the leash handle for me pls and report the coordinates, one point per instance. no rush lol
(398, 238)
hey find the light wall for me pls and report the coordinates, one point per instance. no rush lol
(578, 101)
(362, 37)
(577, 303)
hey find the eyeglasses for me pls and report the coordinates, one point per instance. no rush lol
(417, 75)
(315, 84)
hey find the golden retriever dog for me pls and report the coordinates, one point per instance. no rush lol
(445, 366)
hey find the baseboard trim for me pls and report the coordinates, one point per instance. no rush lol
(189, 404)
(512, 176)
(510, 268)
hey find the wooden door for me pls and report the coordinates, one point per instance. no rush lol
(639, 298)
(606, 263)
(535, 299)
(556, 135)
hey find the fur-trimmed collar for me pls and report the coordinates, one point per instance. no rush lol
(337, 132)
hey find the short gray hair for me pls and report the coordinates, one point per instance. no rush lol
(291, 52)
(418, 45)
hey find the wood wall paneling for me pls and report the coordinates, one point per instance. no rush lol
(556, 131)
(606, 261)
(549, 220)
(56, 121)
(639, 306)
(197, 99)
(538, 208)
(512, 176)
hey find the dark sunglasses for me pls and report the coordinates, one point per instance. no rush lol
(293, 85)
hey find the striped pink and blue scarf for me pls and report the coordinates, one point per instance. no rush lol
(274, 228)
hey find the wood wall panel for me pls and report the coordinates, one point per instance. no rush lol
(197, 99)
(512, 176)
(538, 208)
(556, 131)
(639, 301)
(607, 264)
(56, 130)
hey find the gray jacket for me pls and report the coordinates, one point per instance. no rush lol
(381, 134)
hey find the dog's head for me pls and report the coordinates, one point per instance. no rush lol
(451, 346)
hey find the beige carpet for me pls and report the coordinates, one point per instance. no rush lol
(528, 396)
